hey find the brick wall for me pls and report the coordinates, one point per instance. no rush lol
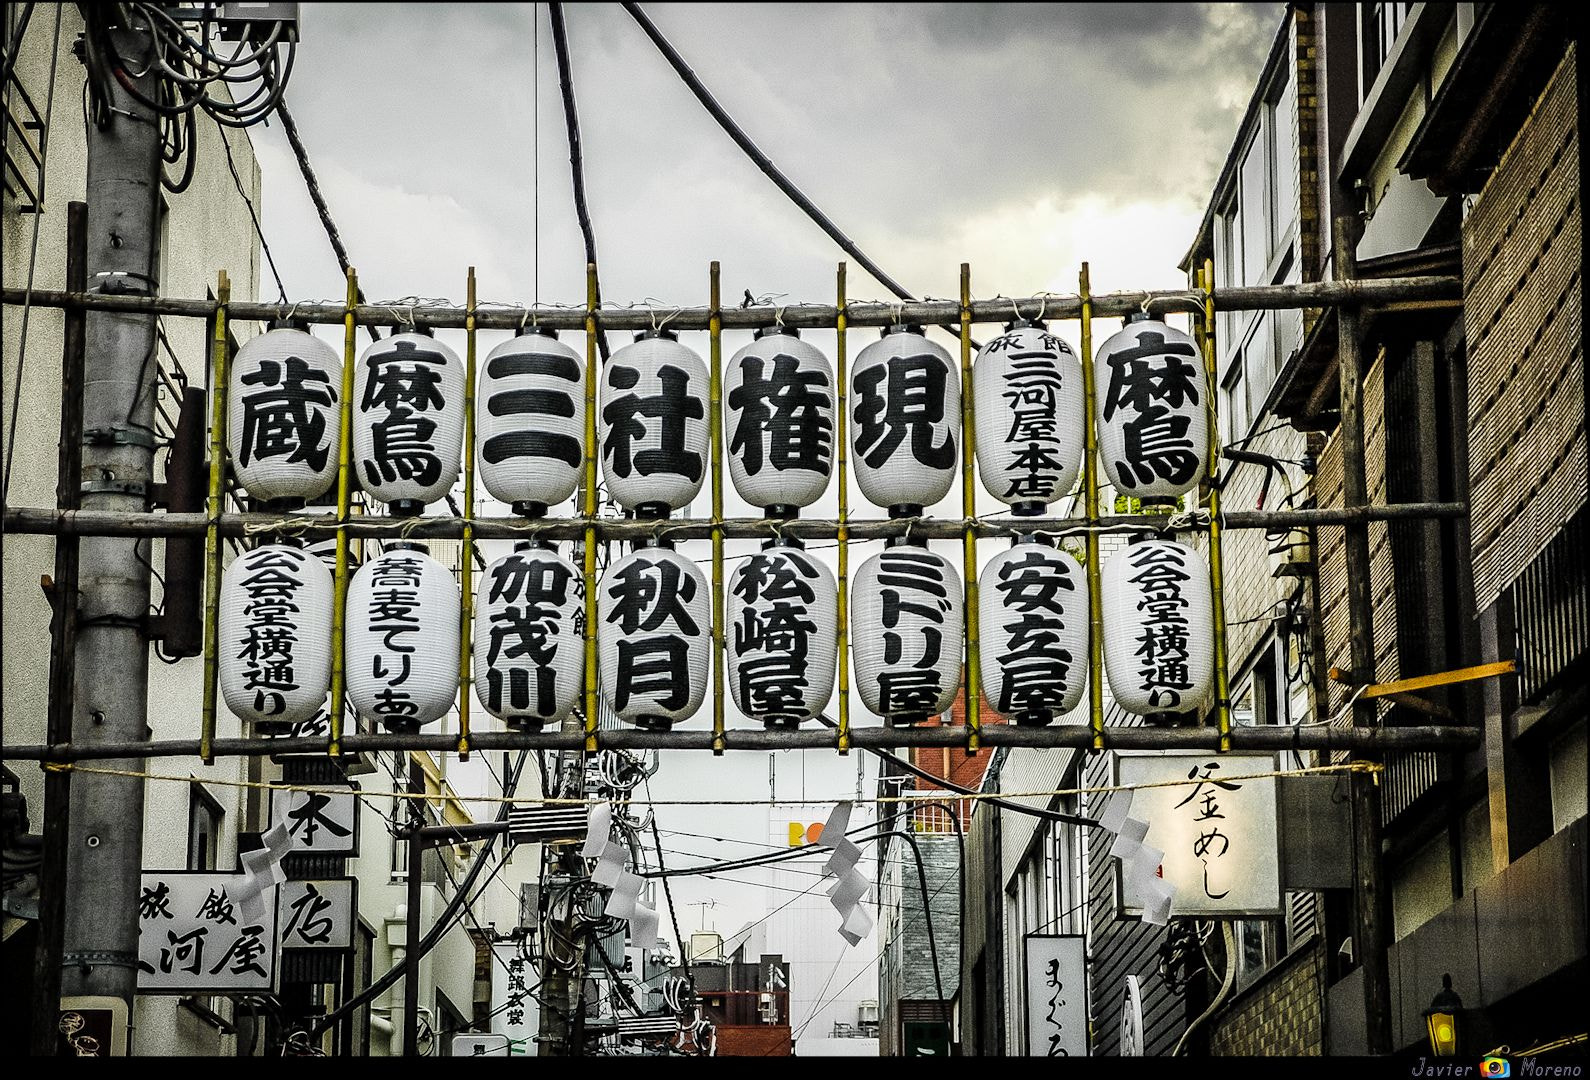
(1279, 1016)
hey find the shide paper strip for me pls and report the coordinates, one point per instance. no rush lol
(262, 869)
(598, 824)
(835, 827)
(1113, 816)
(609, 866)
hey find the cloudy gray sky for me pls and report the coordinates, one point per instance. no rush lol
(1022, 138)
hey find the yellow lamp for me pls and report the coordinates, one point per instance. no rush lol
(1442, 1020)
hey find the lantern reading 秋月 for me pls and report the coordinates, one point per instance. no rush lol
(905, 414)
(782, 636)
(402, 638)
(408, 420)
(654, 617)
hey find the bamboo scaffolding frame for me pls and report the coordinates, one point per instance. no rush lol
(212, 536)
(715, 423)
(974, 693)
(1090, 482)
(842, 529)
(466, 566)
(1204, 325)
(339, 606)
(592, 374)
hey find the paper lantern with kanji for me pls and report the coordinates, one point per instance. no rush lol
(1152, 403)
(905, 420)
(274, 634)
(1029, 410)
(528, 644)
(1159, 648)
(530, 417)
(783, 617)
(284, 418)
(408, 420)
(654, 614)
(1033, 623)
(402, 639)
(652, 409)
(907, 622)
(779, 421)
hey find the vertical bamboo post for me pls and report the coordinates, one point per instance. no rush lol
(1090, 473)
(466, 573)
(592, 373)
(715, 419)
(841, 450)
(212, 535)
(974, 693)
(339, 608)
(1204, 281)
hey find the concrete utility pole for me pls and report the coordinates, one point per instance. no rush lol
(105, 836)
(563, 996)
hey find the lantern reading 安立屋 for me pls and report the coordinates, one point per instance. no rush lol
(1033, 623)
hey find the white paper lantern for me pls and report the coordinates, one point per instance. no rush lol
(1029, 410)
(408, 419)
(1158, 628)
(274, 634)
(1152, 403)
(528, 645)
(779, 421)
(653, 416)
(906, 626)
(654, 631)
(782, 633)
(402, 639)
(1033, 611)
(905, 420)
(530, 417)
(284, 418)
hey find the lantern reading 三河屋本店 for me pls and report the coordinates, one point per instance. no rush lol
(779, 421)
(402, 639)
(1028, 401)
(654, 617)
(653, 415)
(905, 413)
(530, 412)
(1033, 619)
(528, 641)
(408, 420)
(782, 636)
(1158, 628)
(284, 417)
(907, 620)
(1151, 403)
(274, 634)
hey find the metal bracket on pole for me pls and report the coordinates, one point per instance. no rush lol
(119, 435)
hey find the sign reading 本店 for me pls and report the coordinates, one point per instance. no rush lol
(194, 938)
(323, 821)
(317, 914)
(1057, 995)
(1217, 830)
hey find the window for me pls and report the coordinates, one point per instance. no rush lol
(204, 828)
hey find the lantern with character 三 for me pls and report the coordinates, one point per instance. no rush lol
(530, 406)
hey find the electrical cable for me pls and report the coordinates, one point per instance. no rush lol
(560, 47)
(253, 216)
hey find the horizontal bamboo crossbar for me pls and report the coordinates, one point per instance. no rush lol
(42, 520)
(1274, 738)
(1312, 294)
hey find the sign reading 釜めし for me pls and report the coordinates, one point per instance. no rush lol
(1057, 995)
(1217, 828)
(194, 938)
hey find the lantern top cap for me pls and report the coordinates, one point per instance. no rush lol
(904, 328)
(422, 331)
(1026, 324)
(657, 332)
(407, 545)
(288, 323)
(777, 328)
(1446, 1000)
(537, 331)
(1141, 315)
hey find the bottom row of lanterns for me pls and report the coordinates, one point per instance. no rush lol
(654, 631)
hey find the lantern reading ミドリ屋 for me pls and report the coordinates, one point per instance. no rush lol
(284, 415)
(905, 420)
(408, 420)
(529, 647)
(654, 614)
(1158, 628)
(778, 421)
(530, 421)
(907, 620)
(402, 639)
(782, 636)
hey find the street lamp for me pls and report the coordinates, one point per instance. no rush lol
(1441, 1018)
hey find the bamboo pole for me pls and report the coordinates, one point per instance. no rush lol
(974, 693)
(466, 573)
(592, 374)
(1205, 323)
(1435, 290)
(1090, 480)
(212, 537)
(842, 532)
(715, 421)
(339, 606)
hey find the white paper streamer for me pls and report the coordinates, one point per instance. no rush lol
(1115, 813)
(643, 926)
(857, 925)
(609, 866)
(835, 827)
(1158, 894)
(262, 869)
(846, 855)
(1129, 839)
(626, 892)
(849, 890)
(598, 824)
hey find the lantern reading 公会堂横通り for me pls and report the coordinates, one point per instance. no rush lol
(1151, 403)
(274, 634)
(408, 420)
(783, 616)
(529, 660)
(1159, 651)
(905, 414)
(652, 410)
(778, 421)
(1028, 410)
(530, 417)
(1033, 623)
(907, 622)
(402, 638)
(654, 619)
(284, 415)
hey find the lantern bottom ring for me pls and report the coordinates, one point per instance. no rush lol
(531, 724)
(783, 723)
(401, 725)
(1033, 717)
(907, 719)
(654, 723)
(271, 729)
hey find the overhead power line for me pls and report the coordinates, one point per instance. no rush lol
(571, 117)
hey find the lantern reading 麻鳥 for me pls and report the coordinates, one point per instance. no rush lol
(408, 420)
(655, 621)
(274, 634)
(402, 639)
(530, 408)
(1159, 649)
(1028, 401)
(1033, 622)
(653, 416)
(528, 643)
(1151, 404)
(782, 636)
(779, 421)
(284, 418)
(905, 413)
(906, 628)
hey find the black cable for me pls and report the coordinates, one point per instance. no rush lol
(560, 46)
(237, 180)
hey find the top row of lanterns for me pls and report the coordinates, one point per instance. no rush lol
(779, 397)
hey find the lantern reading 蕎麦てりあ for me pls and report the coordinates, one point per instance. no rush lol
(779, 421)
(408, 420)
(1159, 648)
(274, 634)
(529, 648)
(654, 618)
(906, 629)
(1152, 404)
(652, 409)
(530, 412)
(905, 413)
(1033, 623)
(1028, 404)
(284, 417)
(402, 638)
(783, 617)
